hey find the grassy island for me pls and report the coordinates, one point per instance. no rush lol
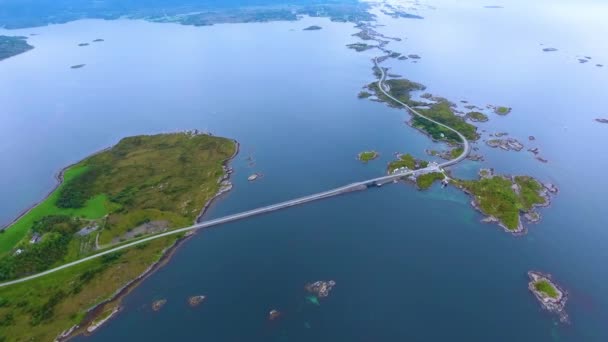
(360, 46)
(408, 161)
(477, 117)
(443, 113)
(367, 156)
(426, 180)
(505, 198)
(364, 94)
(142, 185)
(12, 46)
(501, 110)
(546, 288)
(312, 28)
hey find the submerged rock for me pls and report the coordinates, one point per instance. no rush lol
(320, 288)
(196, 300)
(274, 314)
(157, 305)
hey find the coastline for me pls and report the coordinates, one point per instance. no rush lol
(59, 178)
(116, 298)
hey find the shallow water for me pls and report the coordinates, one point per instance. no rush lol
(408, 264)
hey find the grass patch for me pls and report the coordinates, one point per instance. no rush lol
(546, 288)
(426, 180)
(406, 160)
(94, 208)
(442, 112)
(367, 156)
(42, 308)
(501, 110)
(477, 117)
(456, 152)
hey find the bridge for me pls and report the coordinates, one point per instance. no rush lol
(357, 186)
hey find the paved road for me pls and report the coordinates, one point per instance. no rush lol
(298, 201)
(465, 142)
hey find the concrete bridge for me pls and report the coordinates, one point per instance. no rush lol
(358, 186)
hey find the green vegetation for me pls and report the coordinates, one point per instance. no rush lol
(94, 208)
(360, 46)
(367, 156)
(39, 310)
(313, 28)
(399, 88)
(477, 117)
(12, 46)
(406, 160)
(426, 180)
(546, 288)
(497, 197)
(364, 94)
(441, 112)
(167, 177)
(456, 152)
(500, 110)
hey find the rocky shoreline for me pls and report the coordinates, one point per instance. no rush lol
(555, 304)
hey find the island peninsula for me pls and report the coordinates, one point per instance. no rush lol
(140, 186)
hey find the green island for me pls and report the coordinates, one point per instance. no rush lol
(364, 94)
(12, 46)
(406, 161)
(504, 199)
(477, 117)
(426, 180)
(545, 287)
(441, 111)
(360, 46)
(313, 28)
(142, 185)
(501, 110)
(367, 156)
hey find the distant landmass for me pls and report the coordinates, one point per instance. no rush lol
(188, 12)
(12, 46)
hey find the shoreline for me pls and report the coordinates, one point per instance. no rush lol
(59, 178)
(166, 256)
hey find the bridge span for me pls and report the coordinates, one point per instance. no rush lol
(357, 186)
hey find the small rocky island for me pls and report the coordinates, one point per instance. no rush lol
(550, 295)
(12, 46)
(367, 156)
(502, 110)
(508, 144)
(274, 314)
(320, 288)
(196, 300)
(477, 117)
(254, 177)
(158, 304)
(313, 28)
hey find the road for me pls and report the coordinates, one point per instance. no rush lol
(298, 201)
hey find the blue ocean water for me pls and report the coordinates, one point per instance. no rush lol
(408, 265)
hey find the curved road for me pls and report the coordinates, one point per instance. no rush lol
(298, 201)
